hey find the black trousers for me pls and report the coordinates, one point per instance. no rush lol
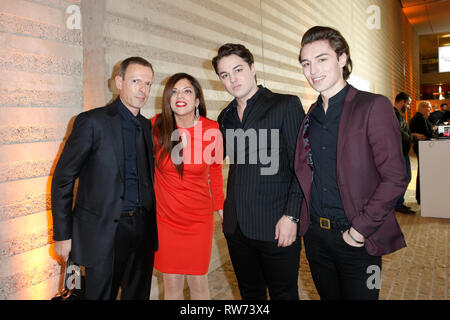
(340, 271)
(130, 266)
(418, 180)
(261, 264)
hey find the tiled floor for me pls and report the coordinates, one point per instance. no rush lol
(419, 271)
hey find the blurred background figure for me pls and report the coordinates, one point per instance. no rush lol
(403, 103)
(421, 128)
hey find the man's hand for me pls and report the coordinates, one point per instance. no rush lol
(419, 136)
(285, 232)
(63, 248)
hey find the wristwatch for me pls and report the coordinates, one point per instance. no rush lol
(295, 220)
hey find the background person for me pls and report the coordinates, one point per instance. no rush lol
(421, 129)
(402, 103)
(446, 116)
(436, 116)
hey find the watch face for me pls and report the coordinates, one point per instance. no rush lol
(292, 219)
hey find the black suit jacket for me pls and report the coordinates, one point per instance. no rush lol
(419, 124)
(94, 154)
(254, 200)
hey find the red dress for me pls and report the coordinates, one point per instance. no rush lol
(185, 205)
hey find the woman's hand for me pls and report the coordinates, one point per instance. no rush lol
(220, 212)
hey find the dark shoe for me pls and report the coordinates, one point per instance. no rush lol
(404, 209)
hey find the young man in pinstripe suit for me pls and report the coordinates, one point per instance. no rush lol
(263, 201)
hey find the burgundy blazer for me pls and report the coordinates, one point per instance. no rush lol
(371, 172)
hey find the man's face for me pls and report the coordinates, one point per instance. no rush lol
(237, 77)
(322, 68)
(406, 105)
(444, 107)
(135, 86)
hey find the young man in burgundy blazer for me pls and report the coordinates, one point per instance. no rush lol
(350, 166)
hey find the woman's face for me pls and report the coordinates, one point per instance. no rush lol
(183, 99)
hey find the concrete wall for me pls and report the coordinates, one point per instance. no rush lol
(41, 89)
(50, 73)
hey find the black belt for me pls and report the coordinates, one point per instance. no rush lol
(130, 213)
(328, 224)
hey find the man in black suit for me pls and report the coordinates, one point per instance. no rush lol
(111, 229)
(263, 200)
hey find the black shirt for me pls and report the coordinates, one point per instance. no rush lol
(250, 103)
(231, 118)
(435, 117)
(323, 133)
(445, 116)
(231, 121)
(131, 196)
(419, 124)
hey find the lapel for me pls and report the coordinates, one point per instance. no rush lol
(115, 126)
(346, 119)
(262, 104)
(303, 171)
(300, 154)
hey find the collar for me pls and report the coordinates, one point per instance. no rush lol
(251, 101)
(418, 114)
(124, 112)
(337, 99)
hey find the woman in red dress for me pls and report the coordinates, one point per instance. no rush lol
(188, 187)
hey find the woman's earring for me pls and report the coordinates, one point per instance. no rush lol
(197, 112)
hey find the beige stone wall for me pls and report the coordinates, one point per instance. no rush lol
(51, 73)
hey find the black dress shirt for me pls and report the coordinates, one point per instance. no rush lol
(323, 133)
(131, 196)
(233, 122)
(237, 123)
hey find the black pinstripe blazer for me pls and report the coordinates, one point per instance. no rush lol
(261, 181)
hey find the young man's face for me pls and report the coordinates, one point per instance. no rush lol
(135, 86)
(237, 77)
(322, 68)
